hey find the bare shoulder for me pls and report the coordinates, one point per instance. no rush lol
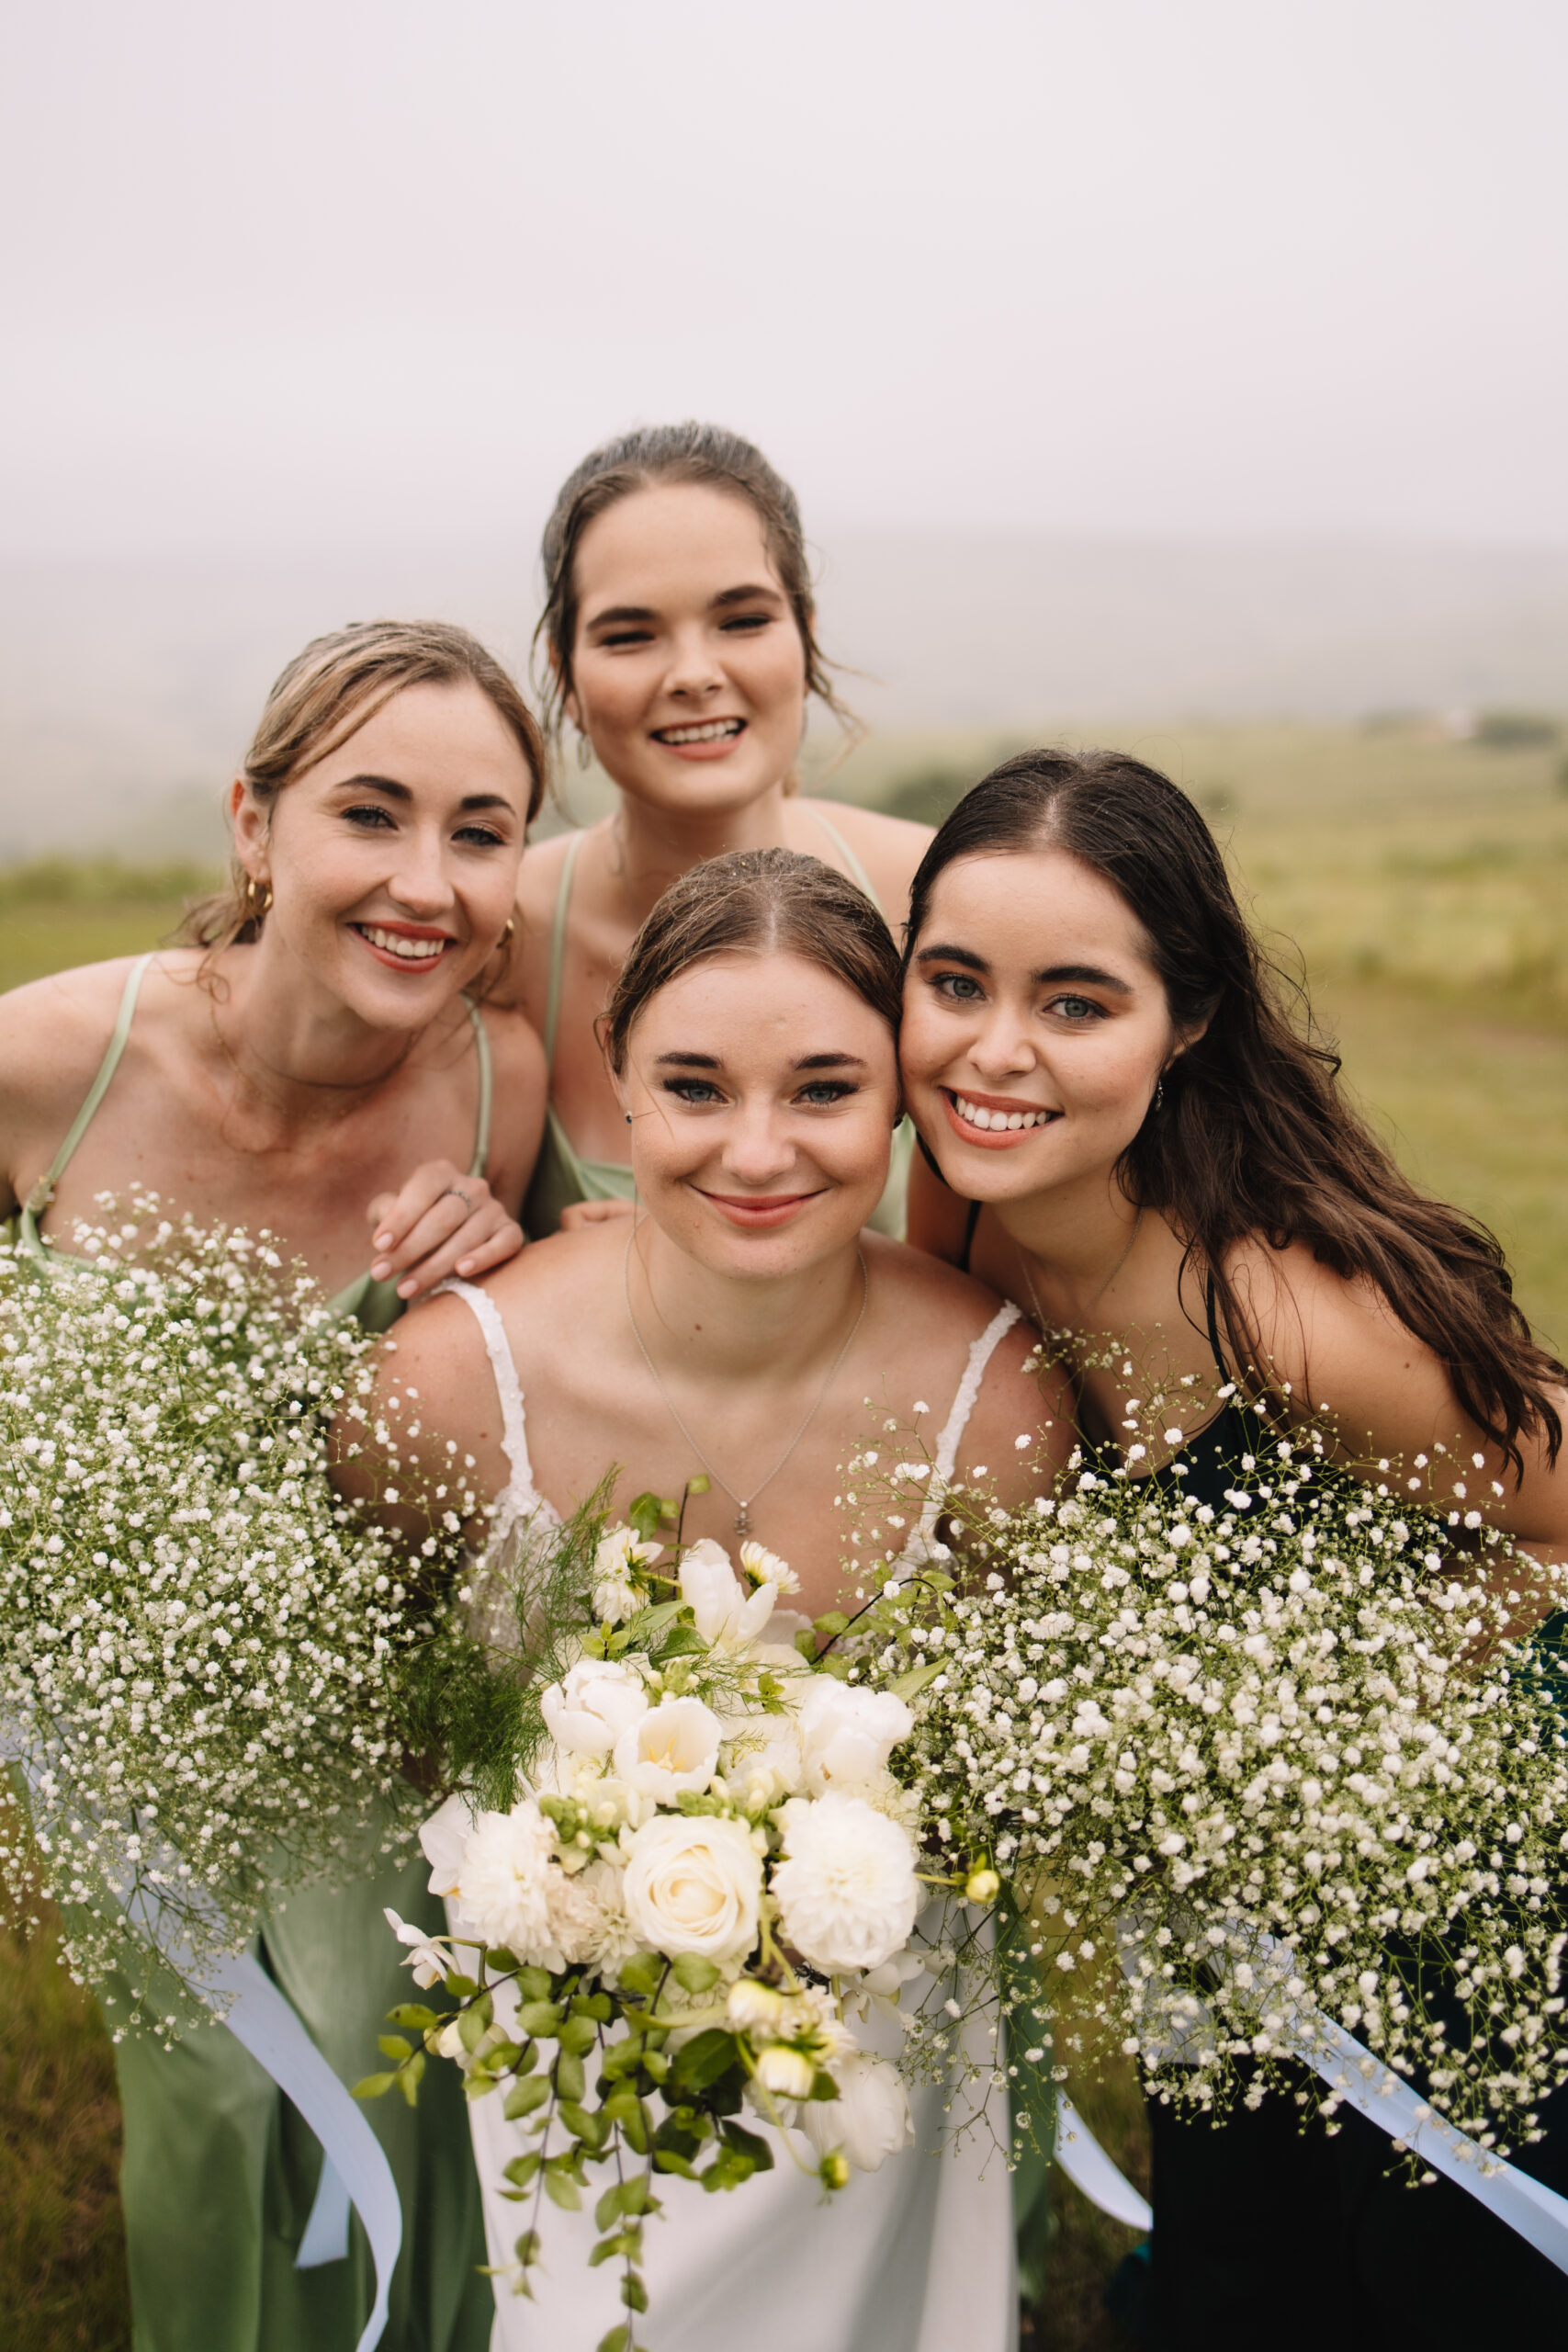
(53, 1037)
(1338, 1343)
(522, 1083)
(890, 848)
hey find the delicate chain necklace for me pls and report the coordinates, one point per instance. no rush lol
(324, 1085)
(742, 1502)
(1100, 1294)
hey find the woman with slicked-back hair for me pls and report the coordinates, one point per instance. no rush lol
(322, 1058)
(744, 1324)
(1132, 1141)
(678, 644)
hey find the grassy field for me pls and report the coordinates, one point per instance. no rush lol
(1421, 884)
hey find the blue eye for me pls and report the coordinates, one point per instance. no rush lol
(960, 987)
(825, 1091)
(693, 1090)
(369, 816)
(1077, 1008)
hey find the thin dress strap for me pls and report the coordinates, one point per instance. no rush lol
(521, 1494)
(857, 871)
(558, 949)
(487, 1088)
(980, 1353)
(43, 1193)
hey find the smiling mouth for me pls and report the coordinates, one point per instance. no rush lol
(710, 730)
(408, 946)
(993, 1119)
(757, 1208)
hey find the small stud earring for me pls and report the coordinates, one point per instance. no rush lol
(628, 1118)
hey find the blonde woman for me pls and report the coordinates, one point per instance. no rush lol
(320, 1059)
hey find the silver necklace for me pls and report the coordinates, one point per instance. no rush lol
(742, 1502)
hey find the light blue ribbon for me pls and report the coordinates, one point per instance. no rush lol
(1086, 2163)
(355, 2170)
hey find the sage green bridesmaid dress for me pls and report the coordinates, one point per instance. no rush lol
(220, 2173)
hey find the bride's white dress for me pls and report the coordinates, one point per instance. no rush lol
(916, 2258)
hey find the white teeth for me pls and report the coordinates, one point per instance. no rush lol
(411, 950)
(711, 733)
(977, 1115)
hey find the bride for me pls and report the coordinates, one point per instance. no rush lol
(746, 1326)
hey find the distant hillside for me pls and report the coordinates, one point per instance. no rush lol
(128, 691)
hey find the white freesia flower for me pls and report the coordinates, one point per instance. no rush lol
(674, 1746)
(848, 1735)
(588, 1712)
(426, 1959)
(785, 2073)
(720, 1605)
(442, 1841)
(868, 2120)
(505, 1883)
(693, 1885)
(847, 1890)
(615, 1596)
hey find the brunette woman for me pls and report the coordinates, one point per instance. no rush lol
(1136, 1145)
(745, 1325)
(680, 631)
(300, 1066)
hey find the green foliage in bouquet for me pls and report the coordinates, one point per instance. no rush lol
(200, 1646)
(1285, 1761)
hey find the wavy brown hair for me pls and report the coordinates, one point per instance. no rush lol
(337, 683)
(1257, 1139)
(767, 901)
(692, 452)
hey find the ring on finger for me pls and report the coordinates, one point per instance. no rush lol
(457, 1193)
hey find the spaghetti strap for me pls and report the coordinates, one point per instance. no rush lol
(1210, 1307)
(521, 1492)
(857, 871)
(558, 949)
(980, 1353)
(43, 1193)
(487, 1088)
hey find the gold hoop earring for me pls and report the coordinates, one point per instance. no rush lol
(258, 899)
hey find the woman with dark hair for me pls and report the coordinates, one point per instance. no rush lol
(299, 1065)
(745, 1325)
(679, 642)
(1136, 1145)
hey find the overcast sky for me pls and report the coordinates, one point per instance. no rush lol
(315, 270)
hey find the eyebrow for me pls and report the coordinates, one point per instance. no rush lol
(395, 791)
(615, 615)
(1054, 975)
(680, 1061)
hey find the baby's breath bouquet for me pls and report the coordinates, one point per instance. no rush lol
(200, 1650)
(1280, 1760)
(679, 1872)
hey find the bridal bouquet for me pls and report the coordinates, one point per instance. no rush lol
(198, 1649)
(1282, 1760)
(705, 1870)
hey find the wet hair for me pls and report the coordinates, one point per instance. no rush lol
(337, 683)
(767, 901)
(654, 454)
(1257, 1139)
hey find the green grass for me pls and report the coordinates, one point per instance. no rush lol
(1426, 883)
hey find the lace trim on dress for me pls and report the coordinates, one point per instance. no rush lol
(520, 1511)
(980, 1355)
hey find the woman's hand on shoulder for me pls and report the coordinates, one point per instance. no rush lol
(443, 1222)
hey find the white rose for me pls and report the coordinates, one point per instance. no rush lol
(848, 1735)
(692, 1885)
(504, 1884)
(719, 1604)
(847, 1890)
(868, 2120)
(674, 1746)
(587, 1712)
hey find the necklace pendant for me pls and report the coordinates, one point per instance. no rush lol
(743, 1521)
